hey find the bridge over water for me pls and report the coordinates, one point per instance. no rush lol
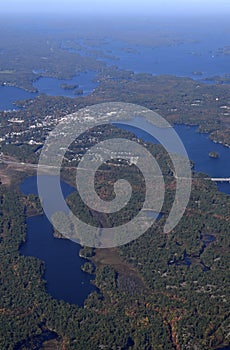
(221, 179)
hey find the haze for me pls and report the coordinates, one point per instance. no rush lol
(116, 6)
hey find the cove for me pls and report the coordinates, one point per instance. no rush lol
(49, 86)
(9, 95)
(65, 279)
(53, 86)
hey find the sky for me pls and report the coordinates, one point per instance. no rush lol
(116, 6)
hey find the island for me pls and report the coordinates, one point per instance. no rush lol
(214, 154)
(78, 92)
(69, 86)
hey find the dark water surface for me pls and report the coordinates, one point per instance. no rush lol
(65, 279)
(9, 94)
(198, 147)
(52, 86)
(49, 86)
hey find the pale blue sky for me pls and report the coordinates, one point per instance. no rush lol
(116, 6)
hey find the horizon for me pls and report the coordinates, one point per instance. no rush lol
(116, 7)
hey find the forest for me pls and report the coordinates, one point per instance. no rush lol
(157, 292)
(161, 291)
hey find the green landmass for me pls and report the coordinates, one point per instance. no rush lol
(179, 100)
(148, 295)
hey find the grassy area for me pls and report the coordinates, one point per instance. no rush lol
(111, 256)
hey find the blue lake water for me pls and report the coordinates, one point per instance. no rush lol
(180, 60)
(65, 279)
(197, 52)
(48, 86)
(196, 48)
(63, 274)
(9, 94)
(198, 147)
(52, 86)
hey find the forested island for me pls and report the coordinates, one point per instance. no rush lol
(214, 154)
(69, 86)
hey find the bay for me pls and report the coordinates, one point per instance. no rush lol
(52, 86)
(85, 81)
(197, 145)
(191, 46)
(9, 95)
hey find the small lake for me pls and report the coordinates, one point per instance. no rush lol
(63, 274)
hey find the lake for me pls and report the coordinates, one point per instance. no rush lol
(52, 86)
(63, 274)
(49, 86)
(65, 279)
(10, 94)
(198, 146)
(197, 50)
(196, 47)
